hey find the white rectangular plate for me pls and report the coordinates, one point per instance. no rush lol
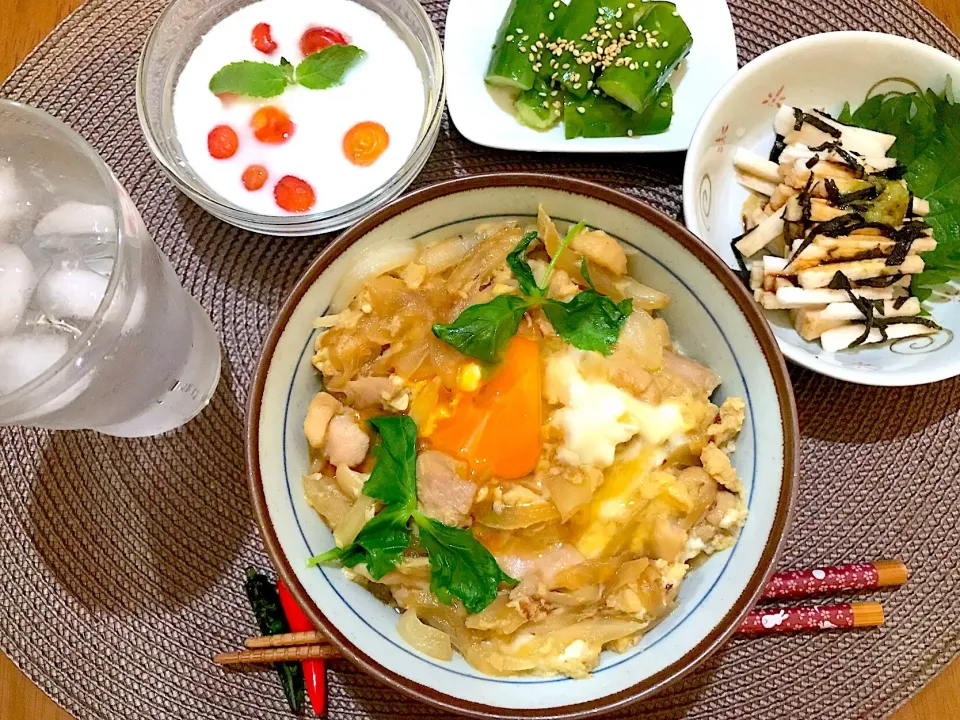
(472, 27)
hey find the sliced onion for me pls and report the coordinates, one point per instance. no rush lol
(420, 636)
(377, 259)
(354, 521)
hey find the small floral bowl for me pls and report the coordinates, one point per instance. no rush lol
(822, 71)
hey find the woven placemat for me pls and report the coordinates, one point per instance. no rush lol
(121, 561)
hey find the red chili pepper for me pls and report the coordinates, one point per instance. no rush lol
(314, 671)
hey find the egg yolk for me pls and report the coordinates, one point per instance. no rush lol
(497, 428)
(365, 142)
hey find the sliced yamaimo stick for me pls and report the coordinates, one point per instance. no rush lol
(858, 270)
(841, 337)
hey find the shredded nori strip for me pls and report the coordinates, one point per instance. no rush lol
(805, 201)
(904, 238)
(743, 273)
(826, 147)
(779, 145)
(797, 119)
(823, 113)
(900, 301)
(916, 319)
(818, 124)
(812, 162)
(851, 161)
(792, 231)
(897, 172)
(843, 225)
(845, 199)
(880, 282)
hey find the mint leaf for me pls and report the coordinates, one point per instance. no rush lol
(394, 477)
(325, 69)
(517, 260)
(483, 331)
(289, 70)
(590, 321)
(253, 79)
(460, 566)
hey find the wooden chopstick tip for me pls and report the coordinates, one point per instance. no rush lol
(867, 614)
(891, 572)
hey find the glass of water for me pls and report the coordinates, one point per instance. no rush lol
(96, 331)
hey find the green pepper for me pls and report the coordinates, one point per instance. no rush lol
(268, 611)
(516, 55)
(598, 116)
(645, 66)
(540, 107)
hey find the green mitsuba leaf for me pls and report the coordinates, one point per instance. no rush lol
(590, 321)
(517, 260)
(460, 566)
(394, 477)
(327, 68)
(483, 331)
(253, 79)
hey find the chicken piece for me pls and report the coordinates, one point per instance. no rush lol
(728, 423)
(542, 568)
(597, 246)
(321, 410)
(717, 465)
(702, 377)
(346, 442)
(443, 492)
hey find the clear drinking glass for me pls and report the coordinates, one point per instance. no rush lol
(96, 331)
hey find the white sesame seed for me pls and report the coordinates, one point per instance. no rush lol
(576, 86)
(551, 16)
(525, 37)
(532, 57)
(546, 103)
(658, 65)
(509, 38)
(619, 25)
(557, 4)
(565, 66)
(554, 93)
(629, 133)
(665, 43)
(630, 6)
(519, 31)
(664, 104)
(589, 84)
(523, 49)
(581, 110)
(646, 63)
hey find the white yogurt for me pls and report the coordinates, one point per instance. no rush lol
(384, 87)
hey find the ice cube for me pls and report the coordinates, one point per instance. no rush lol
(13, 202)
(26, 356)
(71, 293)
(77, 218)
(17, 281)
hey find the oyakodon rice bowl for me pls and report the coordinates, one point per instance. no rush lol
(517, 469)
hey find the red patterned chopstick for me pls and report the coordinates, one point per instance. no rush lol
(823, 617)
(822, 581)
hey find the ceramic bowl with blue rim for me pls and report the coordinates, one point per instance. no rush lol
(712, 319)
